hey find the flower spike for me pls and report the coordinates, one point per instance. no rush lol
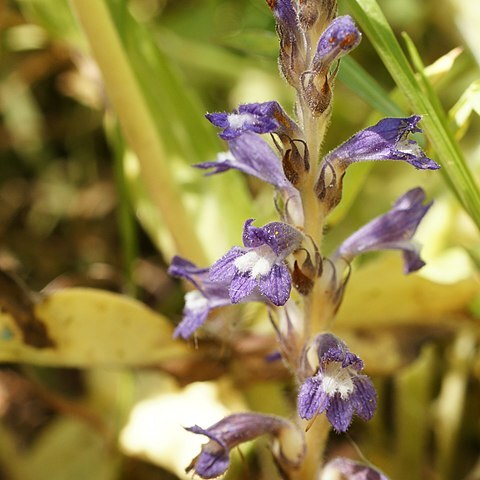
(393, 230)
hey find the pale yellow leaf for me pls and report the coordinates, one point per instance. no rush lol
(379, 294)
(93, 328)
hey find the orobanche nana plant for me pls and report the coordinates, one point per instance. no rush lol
(282, 265)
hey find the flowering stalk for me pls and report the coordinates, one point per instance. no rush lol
(281, 263)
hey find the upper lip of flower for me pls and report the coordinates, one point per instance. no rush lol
(392, 230)
(340, 37)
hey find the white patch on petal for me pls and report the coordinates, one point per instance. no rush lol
(238, 120)
(224, 156)
(195, 301)
(262, 267)
(336, 378)
(409, 147)
(258, 261)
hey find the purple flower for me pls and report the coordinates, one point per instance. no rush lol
(350, 470)
(292, 54)
(393, 230)
(340, 37)
(250, 154)
(260, 267)
(285, 14)
(214, 459)
(267, 117)
(387, 140)
(198, 303)
(337, 387)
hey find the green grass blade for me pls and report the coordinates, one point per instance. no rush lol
(422, 100)
(357, 79)
(137, 122)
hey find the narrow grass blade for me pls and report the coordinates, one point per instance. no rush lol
(422, 100)
(355, 77)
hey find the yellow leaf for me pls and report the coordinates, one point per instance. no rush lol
(379, 294)
(92, 328)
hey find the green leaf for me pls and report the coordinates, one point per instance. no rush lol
(467, 104)
(413, 401)
(422, 100)
(355, 77)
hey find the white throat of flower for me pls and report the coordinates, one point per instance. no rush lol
(195, 301)
(238, 120)
(258, 261)
(336, 378)
(410, 147)
(225, 156)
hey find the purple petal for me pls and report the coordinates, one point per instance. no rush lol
(242, 285)
(271, 113)
(340, 37)
(387, 140)
(254, 156)
(198, 303)
(223, 270)
(183, 268)
(276, 285)
(224, 162)
(351, 470)
(267, 117)
(285, 15)
(214, 458)
(250, 154)
(330, 348)
(364, 397)
(235, 429)
(340, 413)
(282, 238)
(393, 230)
(312, 399)
(253, 236)
(212, 433)
(193, 318)
(211, 464)
(250, 118)
(218, 119)
(411, 258)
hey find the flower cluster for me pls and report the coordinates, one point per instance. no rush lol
(281, 261)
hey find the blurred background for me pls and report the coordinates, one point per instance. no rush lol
(73, 214)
